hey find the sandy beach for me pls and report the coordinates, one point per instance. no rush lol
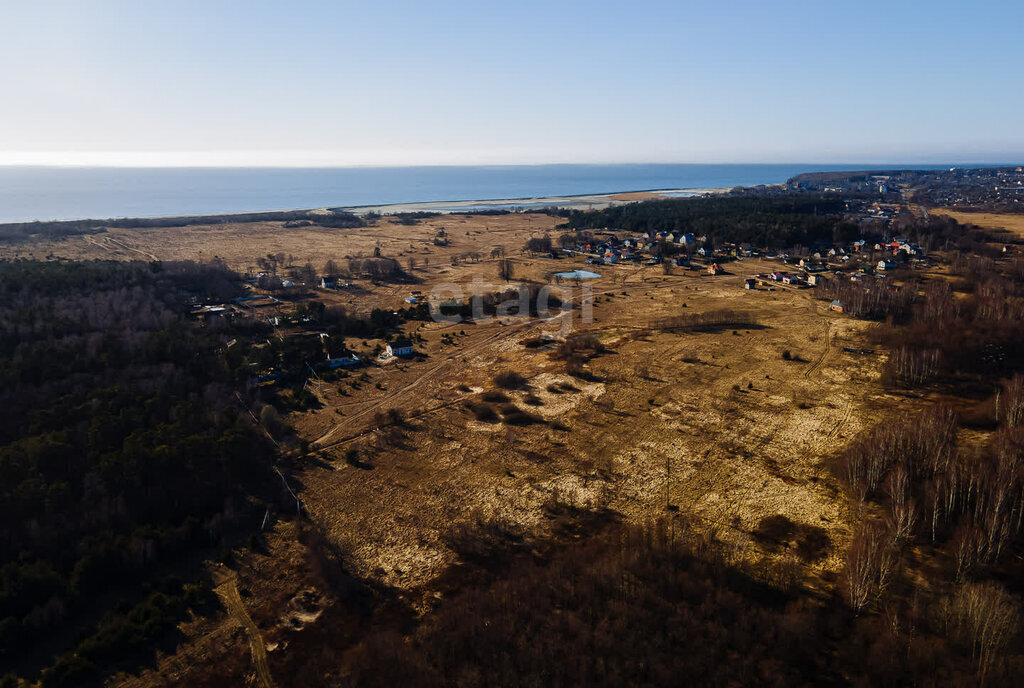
(582, 202)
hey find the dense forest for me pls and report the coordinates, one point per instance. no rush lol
(125, 457)
(769, 221)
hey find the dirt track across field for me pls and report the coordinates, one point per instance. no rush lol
(227, 591)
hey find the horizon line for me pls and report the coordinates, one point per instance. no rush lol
(866, 165)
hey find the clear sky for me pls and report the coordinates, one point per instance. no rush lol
(333, 82)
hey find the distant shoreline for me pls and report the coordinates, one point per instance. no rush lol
(595, 201)
(572, 201)
(58, 194)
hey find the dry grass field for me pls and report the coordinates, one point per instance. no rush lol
(1011, 222)
(715, 428)
(239, 245)
(742, 433)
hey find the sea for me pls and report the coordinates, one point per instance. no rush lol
(70, 193)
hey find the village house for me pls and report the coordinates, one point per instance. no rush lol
(348, 361)
(715, 269)
(886, 265)
(836, 306)
(750, 283)
(400, 347)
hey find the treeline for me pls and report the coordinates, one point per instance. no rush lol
(647, 605)
(634, 607)
(868, 298)
(123, 454)
(941, 233)
(935, 502)
(709, 320)
(377, 268)
(950, 335)
(771, 221)
(915, 484)
(58, 229)
(944, 329)
(412, 218)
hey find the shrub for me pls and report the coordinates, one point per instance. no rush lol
(509, 379)
(513, 415)
(494, 396)
(813, 543)
(574, 366)
(521, 418)
(775, 529)
(483, 412)
(786, 355)
(579, 345)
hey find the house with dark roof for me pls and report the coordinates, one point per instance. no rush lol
(400, 347)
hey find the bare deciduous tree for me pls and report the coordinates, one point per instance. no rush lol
(505, 269)
(984, 616)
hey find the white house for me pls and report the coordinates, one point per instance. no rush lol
(400, 347)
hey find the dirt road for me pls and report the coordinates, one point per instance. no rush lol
(828, 347)
(227, 591)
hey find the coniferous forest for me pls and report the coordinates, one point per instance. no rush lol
(125, 458)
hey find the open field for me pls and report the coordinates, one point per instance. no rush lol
(715, 425)
(242, 243)
(743, 432)
(1011, 222)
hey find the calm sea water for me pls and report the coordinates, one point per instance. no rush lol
(49, 193)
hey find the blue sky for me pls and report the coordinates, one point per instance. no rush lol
(310, 82)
